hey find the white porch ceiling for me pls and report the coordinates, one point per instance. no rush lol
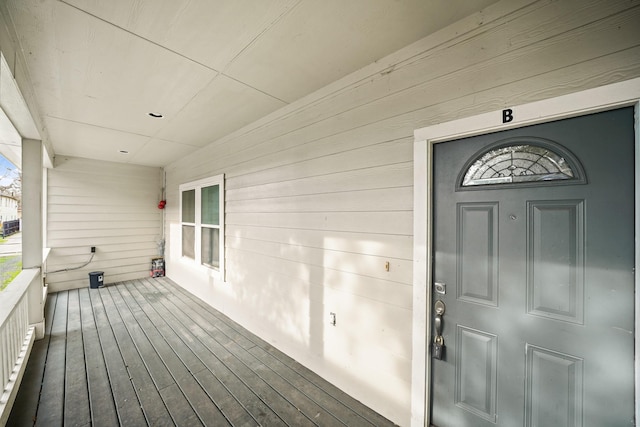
(98, 67)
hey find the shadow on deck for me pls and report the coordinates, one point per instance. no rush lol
(146, 352)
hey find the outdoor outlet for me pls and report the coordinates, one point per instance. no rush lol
(93, 249)
(332, 319)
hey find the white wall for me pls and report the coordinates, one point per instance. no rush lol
(112, 206)
(8, 209)
(319, 194)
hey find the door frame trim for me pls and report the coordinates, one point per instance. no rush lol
(609, 97)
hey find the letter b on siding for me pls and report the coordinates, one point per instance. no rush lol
(507, 115)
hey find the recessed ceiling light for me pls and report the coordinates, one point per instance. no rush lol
(156, 115)
(123, 152)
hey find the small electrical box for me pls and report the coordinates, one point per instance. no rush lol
(157, 267)
(332, 319)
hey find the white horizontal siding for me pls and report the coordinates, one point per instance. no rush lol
(319, 194)
(110, 206)
(367, 274)
(386, 176)
(371, 244)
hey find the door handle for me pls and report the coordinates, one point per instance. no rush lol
(437, 350)
(439, 308)
(438, 324)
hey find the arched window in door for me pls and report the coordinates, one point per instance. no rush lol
(521, 161)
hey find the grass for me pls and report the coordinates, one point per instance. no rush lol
(10, 267)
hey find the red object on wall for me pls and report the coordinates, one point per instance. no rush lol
(162, 204)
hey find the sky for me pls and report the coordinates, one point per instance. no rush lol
(7, 170)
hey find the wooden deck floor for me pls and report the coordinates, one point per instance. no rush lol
(146, 352)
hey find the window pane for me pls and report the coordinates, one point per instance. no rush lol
(189, 206)
(516, 164)
(211, 247)
(189, 241)
(210, 205)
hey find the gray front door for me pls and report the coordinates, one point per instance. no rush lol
(534, 243)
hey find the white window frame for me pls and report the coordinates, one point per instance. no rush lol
(197, 186)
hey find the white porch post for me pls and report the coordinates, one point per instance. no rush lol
(32, 228)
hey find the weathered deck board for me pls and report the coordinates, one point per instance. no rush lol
(103, 408)
(230, 407)
(182, 362)
(124, 396)
(154, 409)
(76, 398)
(224, 348)
(349, 408)
(145, 352)
(51, 406)
(220, 361)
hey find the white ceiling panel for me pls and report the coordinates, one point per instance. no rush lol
(209, 32)
(222, 107)
(158, 152)
(93, 142)
(322, 41)
(98, 67)
(110, 78)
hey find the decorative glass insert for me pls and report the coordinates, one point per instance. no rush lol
(518, 163)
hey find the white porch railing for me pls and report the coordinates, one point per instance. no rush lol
(16, 336)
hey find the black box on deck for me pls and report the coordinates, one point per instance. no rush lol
(96, 279)
(157, 267)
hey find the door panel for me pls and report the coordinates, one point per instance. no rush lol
(553, 388)
(539, 320)
(476, 369)
(477, 256)
(555, 261)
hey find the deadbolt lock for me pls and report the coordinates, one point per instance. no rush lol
(440, 288)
